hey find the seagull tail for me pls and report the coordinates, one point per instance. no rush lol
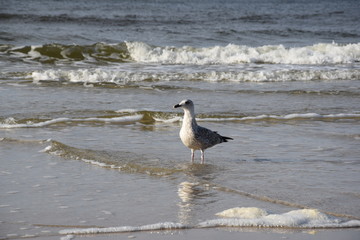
(225, 139)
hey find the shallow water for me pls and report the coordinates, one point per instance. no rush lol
(89, 136)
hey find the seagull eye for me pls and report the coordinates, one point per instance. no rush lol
(187, 102)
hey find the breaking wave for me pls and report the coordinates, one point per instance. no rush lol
(319, 54)
(119, 64)
(121, 78)
(60, 53)
(235, 54)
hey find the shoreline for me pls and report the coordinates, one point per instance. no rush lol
(226, 233)
(229, 234)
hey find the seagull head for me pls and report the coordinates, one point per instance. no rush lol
(185, 104)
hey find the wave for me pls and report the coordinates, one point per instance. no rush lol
(236, 54)
(37, 123)
(296, 219)
(122, 161)
(61, 53)
(267, 117)
(141, 52)
(153, 117)
(101, 77)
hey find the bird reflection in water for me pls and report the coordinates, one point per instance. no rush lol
(195, 194)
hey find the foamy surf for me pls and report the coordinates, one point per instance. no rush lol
(122, 78)
(242, 212)
(321, 53)
(256, 217)
(141, 52)
(239, 218)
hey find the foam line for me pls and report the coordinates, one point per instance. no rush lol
(12, 123)
(296, 219)
(264, 117)
(124, 229)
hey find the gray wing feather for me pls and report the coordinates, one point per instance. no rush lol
(207, 138)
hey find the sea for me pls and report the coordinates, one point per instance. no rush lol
(89, 138)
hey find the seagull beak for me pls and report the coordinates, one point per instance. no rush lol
(177, 105)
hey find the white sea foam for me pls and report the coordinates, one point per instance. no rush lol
(281, 75)
(31, 124)
(100, 164)
(67, 237)
(233, 54)
(94, 76)
(303, 218)
(46, 149)
(302, 116)
(12, 123)
(239, 217)
(76, 76)
(130, 110)
(33, 53)
(156, 226)
(243, 212)
(171, 120)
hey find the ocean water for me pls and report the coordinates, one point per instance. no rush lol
(89, 137)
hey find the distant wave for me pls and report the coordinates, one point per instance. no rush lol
(319, 54)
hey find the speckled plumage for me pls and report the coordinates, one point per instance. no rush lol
(194, 136)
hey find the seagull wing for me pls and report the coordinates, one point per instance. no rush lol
(207, 138)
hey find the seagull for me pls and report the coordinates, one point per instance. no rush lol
(194, 136)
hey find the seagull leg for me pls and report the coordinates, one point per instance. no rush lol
(202, 156)
(192, 155)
